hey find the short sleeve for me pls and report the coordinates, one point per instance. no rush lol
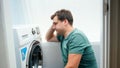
(77, 44)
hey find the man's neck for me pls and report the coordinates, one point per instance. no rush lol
(68, 31)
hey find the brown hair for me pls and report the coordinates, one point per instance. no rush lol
(63, 14)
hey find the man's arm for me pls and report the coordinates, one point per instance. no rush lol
(50, 36)
(73, 61)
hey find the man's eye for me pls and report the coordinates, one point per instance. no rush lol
(55, 23)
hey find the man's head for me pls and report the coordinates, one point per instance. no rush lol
(61, 20)
(62, 15)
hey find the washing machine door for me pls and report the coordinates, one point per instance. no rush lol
(34, 56)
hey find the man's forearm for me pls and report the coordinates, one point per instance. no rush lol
(50, 33)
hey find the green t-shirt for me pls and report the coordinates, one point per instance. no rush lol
(77, 43)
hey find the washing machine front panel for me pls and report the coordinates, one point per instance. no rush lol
(24, 37)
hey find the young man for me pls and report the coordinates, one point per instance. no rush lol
(76, 48)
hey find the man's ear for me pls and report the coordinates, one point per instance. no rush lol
(65, 21)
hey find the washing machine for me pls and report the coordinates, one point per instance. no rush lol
(27, 41)
(31, 52)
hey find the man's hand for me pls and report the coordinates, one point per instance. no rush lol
(50, 37)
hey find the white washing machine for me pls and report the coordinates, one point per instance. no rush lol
(27, 42)
(31, 53)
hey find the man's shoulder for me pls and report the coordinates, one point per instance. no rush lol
(77, 33)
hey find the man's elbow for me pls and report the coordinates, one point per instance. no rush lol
(52, 40)
(47, 39)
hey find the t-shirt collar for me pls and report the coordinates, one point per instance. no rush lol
(70, 34)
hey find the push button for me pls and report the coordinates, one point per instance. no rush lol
(33, 31)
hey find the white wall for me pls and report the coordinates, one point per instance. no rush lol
(87, 14)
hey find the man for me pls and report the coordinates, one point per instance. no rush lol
(75, 47)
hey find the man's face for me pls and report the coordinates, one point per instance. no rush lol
(58, 25)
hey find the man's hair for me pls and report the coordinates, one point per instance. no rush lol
(63, 14)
